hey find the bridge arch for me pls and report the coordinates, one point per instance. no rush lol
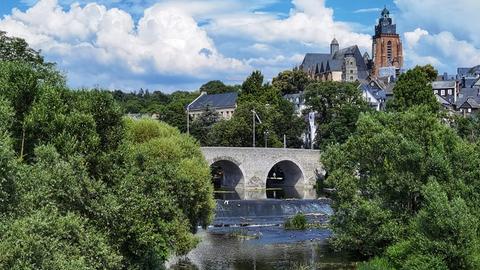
(285, 173)
(227, 173)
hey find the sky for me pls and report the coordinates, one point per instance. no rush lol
(173, 45)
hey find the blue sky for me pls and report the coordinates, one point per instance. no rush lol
(180, 44)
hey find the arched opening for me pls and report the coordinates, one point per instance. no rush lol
(226, 177)
(283, 180)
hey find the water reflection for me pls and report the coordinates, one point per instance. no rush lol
(281, 193)
(218, 251)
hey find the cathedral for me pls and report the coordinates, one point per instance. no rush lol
(349, 65)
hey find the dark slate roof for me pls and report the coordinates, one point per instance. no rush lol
(217, 101)
(470, 82)
(466, 72)
(465, 94)
(312, 59)
(335, 62)
(378, 93)
(470, 103)
(442, 101)
(443, 84)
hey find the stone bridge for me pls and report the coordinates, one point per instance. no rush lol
(259, 168)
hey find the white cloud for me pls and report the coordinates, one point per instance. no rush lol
(442, 50)
(166, 41)
(176, 43)
(448, 37)
(310, 21)
(412, 38)
(367, 10)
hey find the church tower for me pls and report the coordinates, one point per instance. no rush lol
(334, 47)
(387, 50)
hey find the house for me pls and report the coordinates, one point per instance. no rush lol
(374, 93)
(224, 104)
(468, 101)
(298, 101)
(447, 90)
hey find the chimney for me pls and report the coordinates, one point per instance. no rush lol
(464, 82)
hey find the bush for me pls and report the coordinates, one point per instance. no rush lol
(298, 222)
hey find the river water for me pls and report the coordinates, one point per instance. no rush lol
(249, 234)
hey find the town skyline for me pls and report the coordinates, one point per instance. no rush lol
(110, 45)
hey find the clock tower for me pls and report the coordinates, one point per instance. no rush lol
(387, 47)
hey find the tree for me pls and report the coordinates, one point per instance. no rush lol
(430, 71)
(253, 84)
(444, 235)
(216, 87)
(291, 81)
(381, 170)
(338, 106)
(203, 124)
(51, 241)
(413, 88)
(165, 192)
(17, 49)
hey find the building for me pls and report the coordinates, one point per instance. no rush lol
(447, 90)
(298, 101)
(374, 93)
(468, 72)
(468, 101)
(387, 50)
(224, 104)
(340, 65)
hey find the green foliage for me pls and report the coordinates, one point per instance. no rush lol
(291, 81)
(90, 190)
(338, 105)
(414, 88)
(253, 84)
(444, 235)
(166, 176)
(430, 71)
(297, 222)
(17, 49)
(377, 264)
(380, 171)
(47, 239)
(217, 87)
(202, 125)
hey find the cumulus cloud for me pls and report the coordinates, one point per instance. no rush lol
(443, 50)
(165, 41)
(172, 44)
(310, 22)
(448, 37)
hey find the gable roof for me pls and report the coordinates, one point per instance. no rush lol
(443, 84)
(470, 103)
(442, 101)
(467, 93)
(216, 101)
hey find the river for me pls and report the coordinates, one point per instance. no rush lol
(249, 234)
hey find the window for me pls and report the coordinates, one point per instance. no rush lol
(442, 93)
(469, 110)
(449, 91)
(351, 78)
(389, 51)
(351, 71)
